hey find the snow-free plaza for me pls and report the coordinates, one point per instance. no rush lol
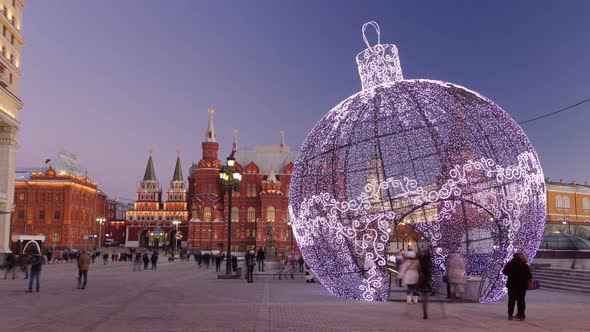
(181, 297)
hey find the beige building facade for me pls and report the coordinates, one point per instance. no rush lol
(11, 42)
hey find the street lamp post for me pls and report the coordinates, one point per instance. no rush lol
(176, 222)
(566, 220)
(230, 178)
(100, 221)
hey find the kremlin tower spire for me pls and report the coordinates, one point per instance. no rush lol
(150, 172)
(282, 147)
(178, 169)
(210, 136)
(210, 146)
(234, 147)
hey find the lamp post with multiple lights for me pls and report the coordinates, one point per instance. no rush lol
(230, 178)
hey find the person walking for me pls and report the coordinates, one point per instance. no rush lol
(260, 259)
(234, 262)
(519, 274)
(36, 261)
(23, 264)
(409, 274)
(137, 262)
(83, 267)
(456, 274)
(301, 262)
(154, 260)
(207, 257)
(425, 281)
(146, 260)
(217, 263)
(105, 258)
(10, 266)
(49, 256)
(250, 263)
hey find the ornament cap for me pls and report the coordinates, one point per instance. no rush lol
(379, 63)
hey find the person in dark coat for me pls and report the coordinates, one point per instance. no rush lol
(234, 263)
(10, 265)
(425, 280)
(519, 274)
(250, 264)
(301, 262)
(154, 260)
(146, 260)
(36, 261)
(260, 259)
(217, 263)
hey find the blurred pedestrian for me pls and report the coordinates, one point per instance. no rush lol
(23, 264)
(105, 258)
(250, 263)
(301, 262)
(519, 274)
(10, 266)
(36, 261)
(409, 274)
(137, 262)
(146, 260)
(154, 260)
(456, 274)
(260, 257)
(425, 281)
(217, 263)
(83, 267)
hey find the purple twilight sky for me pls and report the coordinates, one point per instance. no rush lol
(108, 80)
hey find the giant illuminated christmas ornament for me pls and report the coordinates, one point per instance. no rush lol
(443, 161)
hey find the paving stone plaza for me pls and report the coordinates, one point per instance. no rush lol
(181, 297)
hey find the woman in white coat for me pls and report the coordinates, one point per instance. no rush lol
(410, 276)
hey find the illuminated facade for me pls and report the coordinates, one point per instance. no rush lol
(568, 205)
(259, 209)
(10, 106)
(440, 159)
(58, 204)
(151, 222)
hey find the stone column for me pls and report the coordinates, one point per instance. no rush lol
(8, 148)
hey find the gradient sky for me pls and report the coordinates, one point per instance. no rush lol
(108, 80)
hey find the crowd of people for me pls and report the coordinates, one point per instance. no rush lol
(415, 270)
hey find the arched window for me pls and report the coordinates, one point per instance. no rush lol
(235, 214)
(270, 214)
(247, 233)
(558, 202)
(207, 215)
(251, 214)
(566, 202)
(586, 204)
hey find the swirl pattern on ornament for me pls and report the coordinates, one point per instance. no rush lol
(431, 158)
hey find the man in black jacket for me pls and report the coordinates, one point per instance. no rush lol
(260, 259)
(519, 274)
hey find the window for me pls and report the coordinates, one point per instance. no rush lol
(207, 215)
(11, 39)
(10, 78)
(586, 204)
(247, 233)
(56, 215)
(4, 31)
(251, 214)
(42, 215)
(21, 197)
(566, 202)
(235, 214)
(21, 214)
(270, 214)
(558, 202)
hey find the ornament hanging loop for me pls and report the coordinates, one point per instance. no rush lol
(377, 29)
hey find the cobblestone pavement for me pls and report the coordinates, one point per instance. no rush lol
(181, 297)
